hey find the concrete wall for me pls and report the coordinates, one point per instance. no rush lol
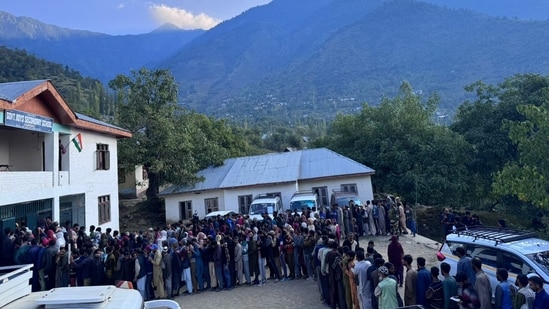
(228, 199)
(32, 183)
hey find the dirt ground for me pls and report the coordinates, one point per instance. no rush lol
(134, 216)
(299, 293)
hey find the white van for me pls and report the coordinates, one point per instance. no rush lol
(265, 204)
(304, 199)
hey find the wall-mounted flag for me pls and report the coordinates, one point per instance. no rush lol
(77, 141)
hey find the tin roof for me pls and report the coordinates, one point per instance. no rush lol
(274, 168)
(11, 91)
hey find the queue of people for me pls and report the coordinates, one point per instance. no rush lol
(233, 251)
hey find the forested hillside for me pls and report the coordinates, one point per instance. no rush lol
(99, 55)
(297, 66)
(85, 95)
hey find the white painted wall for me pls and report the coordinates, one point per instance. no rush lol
(228, 199)
(38, 185)
(25, 150)
(94, 183)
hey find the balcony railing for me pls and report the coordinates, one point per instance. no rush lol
(19, 181)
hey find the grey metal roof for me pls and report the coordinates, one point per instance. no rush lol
(11, 91)
(99, 122)
(274, 168)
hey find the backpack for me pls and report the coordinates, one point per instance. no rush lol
(375, 212)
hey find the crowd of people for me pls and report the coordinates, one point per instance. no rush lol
(233, 251)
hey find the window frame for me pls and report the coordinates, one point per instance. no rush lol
(104, 209)
(212, 202)
(102, 157)
(349, 187)
(244, 202)
(322, 194)
(186, 210)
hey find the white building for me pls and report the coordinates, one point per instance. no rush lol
(134, 183)
(42, 172)
(233, 185)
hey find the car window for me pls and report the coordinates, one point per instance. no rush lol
(488, 256)
(454, 245)
(514, 264)
(541, 259)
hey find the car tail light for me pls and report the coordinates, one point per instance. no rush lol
(440, 256)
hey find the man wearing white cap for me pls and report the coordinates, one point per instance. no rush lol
(386, 290)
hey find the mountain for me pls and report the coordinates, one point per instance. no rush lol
(99, 55)
(86, 95)
(330, 56)
(313, 58)
(519, 9)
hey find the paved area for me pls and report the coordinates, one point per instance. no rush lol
(299, 293)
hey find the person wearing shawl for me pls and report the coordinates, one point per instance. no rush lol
(395, 252)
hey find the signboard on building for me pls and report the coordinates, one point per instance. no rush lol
(27, 121)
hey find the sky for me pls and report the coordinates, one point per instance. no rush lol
(129, 16)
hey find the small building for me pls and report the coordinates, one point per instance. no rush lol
(133, 184)
(55, 162)
(233, 185)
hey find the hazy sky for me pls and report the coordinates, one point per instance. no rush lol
(129, 16)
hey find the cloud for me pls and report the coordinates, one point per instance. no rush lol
(181, 18)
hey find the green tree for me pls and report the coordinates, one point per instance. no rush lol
(412, 155)
(148, 109)
(171, 143)
(481, 124)
(528, 177)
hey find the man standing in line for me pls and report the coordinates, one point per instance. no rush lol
(140, 275)
(386, 290)
(525, 296)
(449, 287)
(542, 298)
(410, 281)
(482, 284)
(505, 292)
(423, 281)
(464, 265)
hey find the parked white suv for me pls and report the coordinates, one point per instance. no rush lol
(304, 199)
(520, 252)
(265, 204)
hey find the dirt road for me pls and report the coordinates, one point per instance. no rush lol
(299, 293)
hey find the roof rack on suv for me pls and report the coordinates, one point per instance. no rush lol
(499, 235)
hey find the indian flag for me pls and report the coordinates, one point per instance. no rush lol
(77, 141)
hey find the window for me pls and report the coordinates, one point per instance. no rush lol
(514, 264)
(102, 157)
(186, 210)
(322, 193)
(349, 187)
(488, 256)
(244, 202)
(454, 245)
(211, 204)
(104, 209)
